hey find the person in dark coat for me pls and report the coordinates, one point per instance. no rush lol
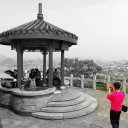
(32, 78)
(37, 76)
(56, 78)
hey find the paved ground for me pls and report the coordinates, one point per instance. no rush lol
(98, 119)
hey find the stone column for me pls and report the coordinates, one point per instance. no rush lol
(22, 70)
(62, 67)
(44, 68)
(50, 83)
(19, 65)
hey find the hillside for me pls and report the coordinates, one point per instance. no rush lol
(8, 61)
(2, 58)
(28, 62)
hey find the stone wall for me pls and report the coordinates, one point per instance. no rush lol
(5, 98)
(30, 104)
(25, 101)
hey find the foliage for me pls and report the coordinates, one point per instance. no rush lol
(80, 67)
(127, 89)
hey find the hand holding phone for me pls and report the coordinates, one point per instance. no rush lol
(110, 86)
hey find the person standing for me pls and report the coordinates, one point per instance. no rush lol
(32, 78)
(56, 78)
(37, 76)
(116, 98)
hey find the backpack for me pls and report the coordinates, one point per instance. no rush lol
(124, 108)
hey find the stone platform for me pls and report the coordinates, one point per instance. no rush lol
(99, 118)
(69, 103)
(48, 103)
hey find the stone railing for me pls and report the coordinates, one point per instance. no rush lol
(80, 81)
(90, 83)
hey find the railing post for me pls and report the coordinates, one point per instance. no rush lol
(82, 81)
(71, 80)
(124, 85)
(108, 80)
(94, 82)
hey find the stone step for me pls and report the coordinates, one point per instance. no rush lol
(45, 115)
(66, 115)
(66, 95)
(68, 108)
(78, 100)
(81, 112)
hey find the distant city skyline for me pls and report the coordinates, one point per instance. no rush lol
(101, 25)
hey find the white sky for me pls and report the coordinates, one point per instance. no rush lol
(101, 25)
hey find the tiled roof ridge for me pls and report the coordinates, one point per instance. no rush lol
(38, 28)
(38, 25)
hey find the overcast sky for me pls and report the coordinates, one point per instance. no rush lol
(101, 25)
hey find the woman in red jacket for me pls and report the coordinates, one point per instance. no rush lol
(116, 98)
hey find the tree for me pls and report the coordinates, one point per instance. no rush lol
(80, 67)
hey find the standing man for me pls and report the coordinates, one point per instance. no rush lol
(56, 78)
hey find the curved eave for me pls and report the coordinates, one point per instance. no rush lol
(7, 40)
(37, 29)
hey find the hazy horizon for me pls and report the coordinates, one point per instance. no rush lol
(58, 58)
(101, 25)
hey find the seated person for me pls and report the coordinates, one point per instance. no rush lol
(32, 78)
(8, 84)
(47, 76)
(37, 76)
(15, 78)
(15, 74)
(56, 78)
(12, 83)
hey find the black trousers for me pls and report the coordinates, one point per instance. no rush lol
(115, 118)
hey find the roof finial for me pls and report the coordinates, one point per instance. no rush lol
(40, 15)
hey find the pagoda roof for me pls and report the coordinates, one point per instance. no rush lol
(37, 29)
